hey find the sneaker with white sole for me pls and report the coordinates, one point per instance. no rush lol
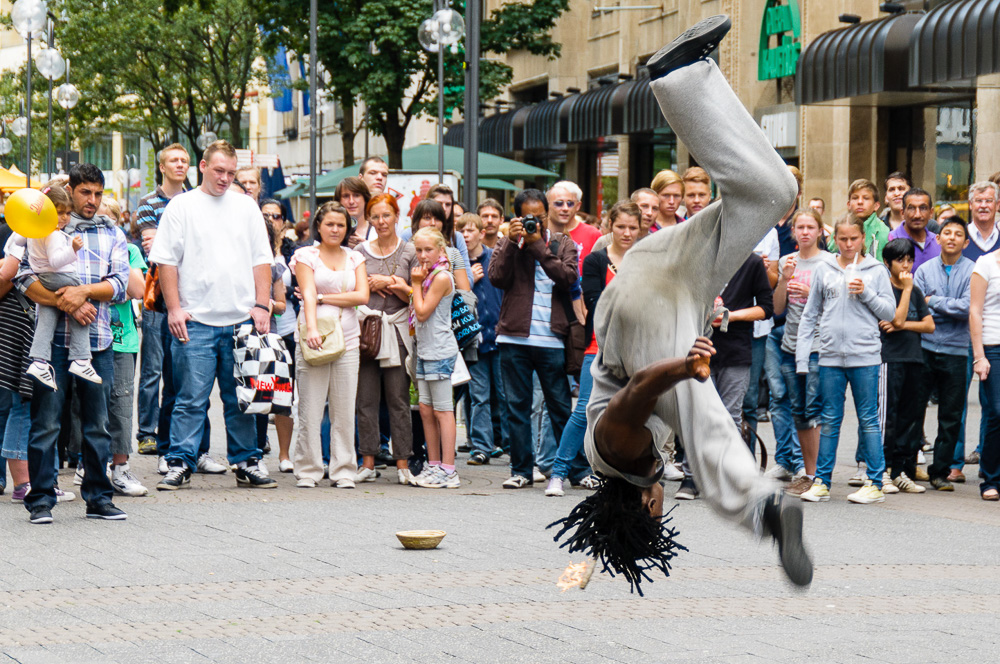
(590, 482)
(887, 484)
(867, 495)
(125, 483)
(306, 483)
(85, 370)
(344, 483)
(365, 475)
(442, 480)
(906, 485)
(209, 466)
(78, 476)
(176, 477)
(555, 487)
(262, 468)
(285, 466)
(64, 496)
(404, 476)
(672, 473)
(422, 475)
(859, 478)
(42, 372)
(819, 493)
(249, 476)
(432, 479)
(516, 482)
(778, 473)
(162, 467)
(538, 476)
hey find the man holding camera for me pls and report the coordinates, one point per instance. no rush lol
(536, 269)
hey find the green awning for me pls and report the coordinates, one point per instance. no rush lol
(291, 191)
(493, 183)
(424, 158)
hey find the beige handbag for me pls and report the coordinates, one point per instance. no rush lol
(332, 332)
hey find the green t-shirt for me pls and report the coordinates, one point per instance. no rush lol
(125, 336)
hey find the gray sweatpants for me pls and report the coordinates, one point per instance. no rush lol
(47, 318)
(663, 294)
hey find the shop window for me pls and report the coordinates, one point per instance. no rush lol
(954, 154)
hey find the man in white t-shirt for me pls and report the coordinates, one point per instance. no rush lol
(215, 273)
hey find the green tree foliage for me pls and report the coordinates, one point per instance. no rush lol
(165, 73)
(370, 52)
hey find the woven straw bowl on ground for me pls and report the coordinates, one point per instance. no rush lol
(420, 539)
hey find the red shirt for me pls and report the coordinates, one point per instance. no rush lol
(584, 236)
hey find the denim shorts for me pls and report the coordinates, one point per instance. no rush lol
(435, 369)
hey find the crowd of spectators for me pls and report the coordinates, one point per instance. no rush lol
(903, 306)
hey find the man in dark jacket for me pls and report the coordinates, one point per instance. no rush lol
(535, 271)
(488, 435)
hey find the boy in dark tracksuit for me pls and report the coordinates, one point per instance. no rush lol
(902, 370)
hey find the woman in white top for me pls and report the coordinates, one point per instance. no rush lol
(984, 328)
(333, 281)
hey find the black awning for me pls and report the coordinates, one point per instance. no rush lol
(590, 114)
(956, 42)
(634, 109)
(541, 125)
(495, 134)
(455, 136)
(860, 61)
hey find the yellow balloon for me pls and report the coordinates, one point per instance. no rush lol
(31, 213)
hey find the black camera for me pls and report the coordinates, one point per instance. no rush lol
(531, 224)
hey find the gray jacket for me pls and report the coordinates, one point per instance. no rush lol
(848, 324)
(948, 298)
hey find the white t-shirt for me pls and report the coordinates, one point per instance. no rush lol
(988, 268)
(215, 242)
(771, 248)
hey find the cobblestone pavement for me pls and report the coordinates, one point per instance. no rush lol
(219, 574)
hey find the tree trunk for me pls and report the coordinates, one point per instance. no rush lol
(395, 135)
(236, 129)
(348, 130)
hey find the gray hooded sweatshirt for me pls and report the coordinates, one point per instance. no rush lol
(848, 324)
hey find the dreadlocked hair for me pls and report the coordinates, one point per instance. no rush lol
(613, 526)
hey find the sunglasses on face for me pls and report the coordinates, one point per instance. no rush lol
(560, 204)
(272, 216)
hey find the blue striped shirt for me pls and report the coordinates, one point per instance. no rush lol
(540, 333)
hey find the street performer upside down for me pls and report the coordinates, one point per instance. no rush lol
(649, 324)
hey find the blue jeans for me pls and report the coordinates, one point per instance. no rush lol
(989, 462)
(544, 438)
(169, 397)
(833, 383)
(758, 349)
(150, 370)
(959, 461)
(15, 424)
(787, 450)
(571, 462)
(197, 364)
(46, 420)
(518, 363)
(486, 377)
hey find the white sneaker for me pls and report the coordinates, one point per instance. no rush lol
(887, 484)
(344, 483)
(209, 466)
(779, 473)
(125, 483)
(285, 466)
(85, 370)
(672, 473)
(42, 371)
(404, 476)
(859, 478)
(161, 466)
(906, 485)
(64, 496)
(262, 468)
(306, 483)
(365, 475)
(78, 476)
(555, 487)
(921, 459)
(867, 494)
(538, 476)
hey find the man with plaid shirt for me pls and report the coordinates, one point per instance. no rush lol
(103, 268)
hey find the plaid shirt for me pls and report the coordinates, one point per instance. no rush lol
(104, 257)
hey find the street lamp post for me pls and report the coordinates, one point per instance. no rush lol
(470, 179)
(67, 95)
(29, 17)
(51, 65)
(444, 28)
(313, 68)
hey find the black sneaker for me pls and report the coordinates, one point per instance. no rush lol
(40, 515)
(693, 44)
(464, 448)
(688, 490)
(177, 476)
(941, 484)
(478, 458)
(105, 511)
(497, 452)
(251, 477)
(783, 522)
(384, 459)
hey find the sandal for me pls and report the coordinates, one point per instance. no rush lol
(991, 494)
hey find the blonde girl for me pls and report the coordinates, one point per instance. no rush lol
(437, 351)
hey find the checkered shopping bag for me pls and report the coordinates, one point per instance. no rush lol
(263, 372)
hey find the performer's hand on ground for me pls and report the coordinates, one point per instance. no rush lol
(699, 358)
